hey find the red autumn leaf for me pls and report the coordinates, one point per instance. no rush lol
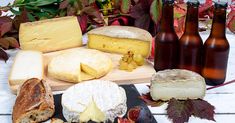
(3, 55)
(12, 42)
(231, 21)
(93, 12)
(5, 25)
(206, 9)
(83, 22)
(123, 120)
(64, 4)
(202, 109)
(179, 111)
(149, 101)
(4, 43)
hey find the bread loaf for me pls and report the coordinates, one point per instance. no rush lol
(34, 102)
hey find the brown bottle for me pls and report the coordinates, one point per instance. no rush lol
(190, 44)
(216, 48)
(166, 41)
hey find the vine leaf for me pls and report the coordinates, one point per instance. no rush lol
(3, 55)
(125, 6)
(156, 10)
(5, 25)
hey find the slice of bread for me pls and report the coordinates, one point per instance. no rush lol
(34, 102)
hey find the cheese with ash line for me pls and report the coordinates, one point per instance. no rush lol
(96, 100)
(51, 34)
(120, 39)
(178, 84)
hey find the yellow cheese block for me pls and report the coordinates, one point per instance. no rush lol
(50, 35)
(120, 39)
(79, 64)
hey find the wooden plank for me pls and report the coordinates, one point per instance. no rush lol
(219, 118)
(139, 75)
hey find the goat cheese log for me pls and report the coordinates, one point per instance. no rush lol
(178, 84)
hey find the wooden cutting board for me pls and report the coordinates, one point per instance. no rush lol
(142, 74)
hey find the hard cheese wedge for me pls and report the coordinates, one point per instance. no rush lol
(27, 64)
(78, 65)
(120, 39)
(178, 84)
(50, 35)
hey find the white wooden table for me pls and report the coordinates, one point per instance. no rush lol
(222, 98)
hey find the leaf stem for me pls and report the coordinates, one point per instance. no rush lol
(226, 83)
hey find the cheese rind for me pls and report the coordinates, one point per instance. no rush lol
(178, 84)
(108, 97)
(27, 65)
(120, 39)
(79, 64)
(51, 34)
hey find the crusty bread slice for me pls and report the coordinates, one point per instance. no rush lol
(34, 102)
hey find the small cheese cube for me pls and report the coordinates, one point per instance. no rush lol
(51, 34)
(120, 39)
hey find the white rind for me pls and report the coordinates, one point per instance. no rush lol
(176, 83)
(108, 96)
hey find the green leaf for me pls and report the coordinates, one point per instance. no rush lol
(18, 2)
(125, 6)
(15, 12)
(30, 17)
(41, 2)
(156, 10)
(42, 15)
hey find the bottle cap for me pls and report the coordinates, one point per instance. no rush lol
(193, 3)
(221, 5)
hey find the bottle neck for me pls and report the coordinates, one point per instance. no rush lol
(219, 23)
(191, 24)
(166, 24)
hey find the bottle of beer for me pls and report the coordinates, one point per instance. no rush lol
(216, 48)
(190, 44)
(166, 41)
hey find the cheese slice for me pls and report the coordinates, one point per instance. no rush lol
(78, 65)
(27, 65)
(95, 100)
(51, 34)
(178, 84)
(120, 39)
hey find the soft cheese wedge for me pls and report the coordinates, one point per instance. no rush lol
(78, 65)
(120, 39)
(95, 100)
(178, 84)
(27, 64)
(51, 34)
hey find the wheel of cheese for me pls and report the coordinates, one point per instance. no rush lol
(79, 64)
(95, 100)
(177, 83)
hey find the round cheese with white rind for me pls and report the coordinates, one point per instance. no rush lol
(109, 99)
(177, 83)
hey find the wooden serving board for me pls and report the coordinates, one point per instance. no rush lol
(142, 74)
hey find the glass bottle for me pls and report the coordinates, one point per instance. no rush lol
(216, 48)
(166, 40)
(190, 44)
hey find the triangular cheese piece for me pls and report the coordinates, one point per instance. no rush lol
(85, 76)
(92, 112)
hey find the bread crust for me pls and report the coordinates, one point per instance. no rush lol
(34, 102)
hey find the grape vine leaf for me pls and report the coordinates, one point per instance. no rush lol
(149, 101)
(231, 20)
(3, 55)
(156, 10)
(202, 109)
(179, 111)
(82, 19)
(5, 25)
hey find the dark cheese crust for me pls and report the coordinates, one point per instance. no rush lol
(34, 102)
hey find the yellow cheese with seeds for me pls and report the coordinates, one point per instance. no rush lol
(51, 34)
(120, 39)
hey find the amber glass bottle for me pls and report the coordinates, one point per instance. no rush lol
(166, 41)
(190, 44)
(216, 48)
